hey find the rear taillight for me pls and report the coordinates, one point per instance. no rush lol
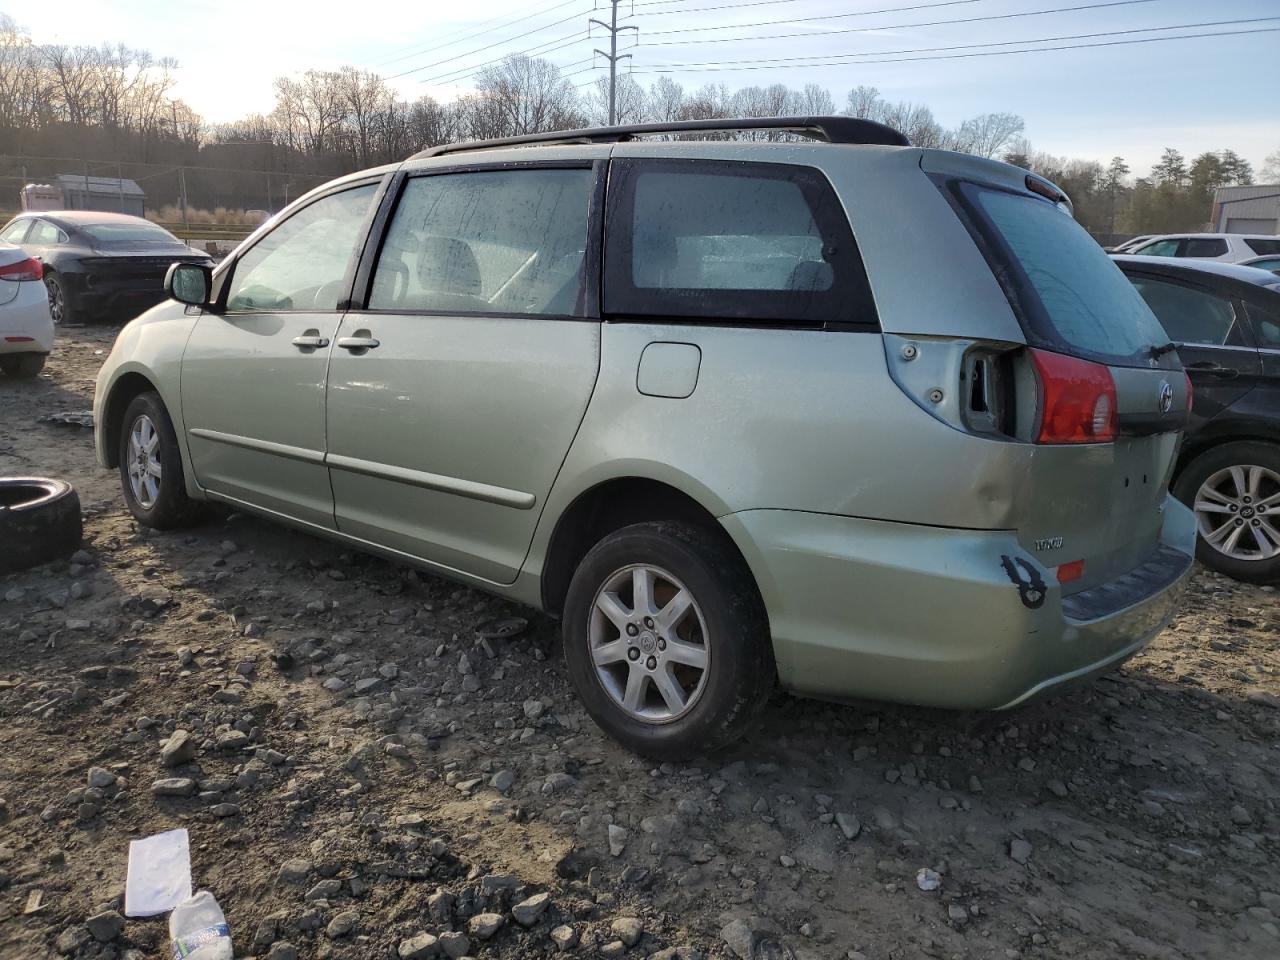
(1077, 399)
(1190, 391)
(29, 269)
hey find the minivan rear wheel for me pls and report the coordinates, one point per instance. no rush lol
(1234, 490)
(666, 640)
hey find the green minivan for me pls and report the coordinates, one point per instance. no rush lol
(867, 420)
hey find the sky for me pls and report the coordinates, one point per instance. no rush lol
(1130, 100)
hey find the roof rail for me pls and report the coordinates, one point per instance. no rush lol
(830, 129)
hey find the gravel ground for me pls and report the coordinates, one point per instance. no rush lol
(364, 775)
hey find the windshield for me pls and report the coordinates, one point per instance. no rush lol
(1068, 295)
(107, 234)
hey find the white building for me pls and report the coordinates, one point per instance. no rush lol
(1254, 209)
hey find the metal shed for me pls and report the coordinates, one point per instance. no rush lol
(1252, 209)
(101, 193)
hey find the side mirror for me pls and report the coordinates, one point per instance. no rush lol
(189, 283)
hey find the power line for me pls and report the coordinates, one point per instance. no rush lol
(987, 53)
(972, 46)
(551, 46)
(898, 26)
(506, 22)
(488, 46)
(832, 16)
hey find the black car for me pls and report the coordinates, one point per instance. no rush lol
(97, 264)
(1225, 320)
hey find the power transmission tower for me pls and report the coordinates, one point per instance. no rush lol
(613, 56)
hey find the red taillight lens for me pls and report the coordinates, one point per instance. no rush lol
(1190, 392)
(1077, 400)
(29, 269)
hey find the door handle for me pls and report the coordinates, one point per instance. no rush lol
(310, 342)
(1214, 370)
(357, 343)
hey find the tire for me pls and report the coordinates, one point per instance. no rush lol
(726, 621)
(39, 521)
(160, 503)
(1208, 468)
(61, 309)
(22, 366)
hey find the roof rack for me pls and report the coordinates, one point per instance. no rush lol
(829, 129)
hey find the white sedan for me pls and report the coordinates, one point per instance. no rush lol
(26, 328)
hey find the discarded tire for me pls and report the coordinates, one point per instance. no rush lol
(39, 521)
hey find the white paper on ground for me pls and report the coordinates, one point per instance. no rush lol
(159, 874)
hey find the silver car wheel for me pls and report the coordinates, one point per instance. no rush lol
(144, 462)
(1238, 512)
(649, 643)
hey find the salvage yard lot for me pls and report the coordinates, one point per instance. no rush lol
(367, 770)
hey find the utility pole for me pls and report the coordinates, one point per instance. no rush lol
(613, 56)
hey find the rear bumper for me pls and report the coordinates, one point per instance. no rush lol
(102, 293)
(865, 609)
(25, 324)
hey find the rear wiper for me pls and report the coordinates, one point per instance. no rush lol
(1158, 352)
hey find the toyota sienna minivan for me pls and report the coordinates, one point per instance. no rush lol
(863, 419)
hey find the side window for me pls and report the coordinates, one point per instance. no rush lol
(489, 242)
(1161, 248)
(1266, 325)
(1270, 263)
(1263, 247)
(1188, 315)
(721, 240)
(15, 231)
(45, 234)
(302, 263)
(1204, 247)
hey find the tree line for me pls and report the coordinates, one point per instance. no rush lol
(115, 103)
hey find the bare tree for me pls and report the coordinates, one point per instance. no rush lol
(631, 103)
(1271, 167)
(988, 133)
(364, 100)
(815, 101)
(666, 99)
(530, 94)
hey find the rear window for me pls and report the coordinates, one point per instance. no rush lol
(1068, 295)
(107, 234)
(1263, 248)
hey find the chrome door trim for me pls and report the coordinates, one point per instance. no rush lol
(434, 481)
(260, 446)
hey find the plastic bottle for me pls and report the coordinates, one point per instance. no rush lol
(199, 931)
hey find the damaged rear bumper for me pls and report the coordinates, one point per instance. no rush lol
(866, 609)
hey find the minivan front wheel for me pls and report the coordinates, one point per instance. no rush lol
(666, 640)
(151, 466)
(1234, 490)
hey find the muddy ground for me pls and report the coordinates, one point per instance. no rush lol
(402, 785)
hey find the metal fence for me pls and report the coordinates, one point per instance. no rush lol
(203, 205)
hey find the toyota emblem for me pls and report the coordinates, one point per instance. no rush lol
(1166, 396)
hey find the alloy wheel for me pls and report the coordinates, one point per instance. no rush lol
(1238, 512)
(144, 462)
(56, 306)
(649, 643)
